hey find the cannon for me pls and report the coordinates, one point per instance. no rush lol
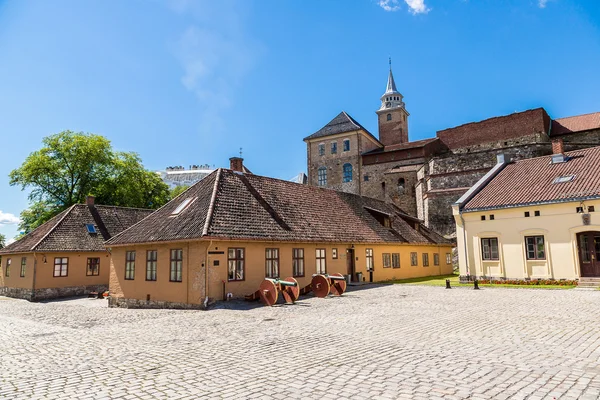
(323, 284)
(269, 290)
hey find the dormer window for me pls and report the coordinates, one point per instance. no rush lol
(183, 205)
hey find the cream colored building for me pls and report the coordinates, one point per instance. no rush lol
(533, 219)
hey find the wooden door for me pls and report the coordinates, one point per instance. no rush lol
(350, 263)
(588, 245)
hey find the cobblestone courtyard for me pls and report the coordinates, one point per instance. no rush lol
(382, 342)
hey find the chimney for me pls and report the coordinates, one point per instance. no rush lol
(558, 147)
(89, 200)
(500, 158)
(558, 151)
(236, 164)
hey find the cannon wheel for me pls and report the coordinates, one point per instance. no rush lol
(268, 292)
(320, 286)
(290, 293)
(338, 287)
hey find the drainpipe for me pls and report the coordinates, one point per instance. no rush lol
(187, 286)
(206, 263)
(465, 241)
(34, 272)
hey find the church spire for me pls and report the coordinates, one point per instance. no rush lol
(391, 85)
(392, 98)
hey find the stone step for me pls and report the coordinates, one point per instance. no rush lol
(589, 279)
(589, 284)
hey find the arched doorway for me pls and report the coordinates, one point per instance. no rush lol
(588, 246)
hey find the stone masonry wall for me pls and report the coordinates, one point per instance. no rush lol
(51, 293)
(119, 302)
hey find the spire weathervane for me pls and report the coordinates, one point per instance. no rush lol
(240, 152)
(390, 63)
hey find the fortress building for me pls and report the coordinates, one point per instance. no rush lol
(425, 177)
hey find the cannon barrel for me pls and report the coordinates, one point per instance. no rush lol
(282, 282)
(332, 277)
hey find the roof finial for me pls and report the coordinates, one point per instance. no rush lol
(240, 152)
(390, 63)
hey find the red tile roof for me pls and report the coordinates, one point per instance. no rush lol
(576, 123)
(232, 205)
(531, 181)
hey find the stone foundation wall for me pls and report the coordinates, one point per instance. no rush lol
(120, 302)
(17, 293)
(51, 293)
(71, 291)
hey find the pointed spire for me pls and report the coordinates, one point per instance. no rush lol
(391, 85)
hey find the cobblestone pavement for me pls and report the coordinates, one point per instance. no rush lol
(385, 342)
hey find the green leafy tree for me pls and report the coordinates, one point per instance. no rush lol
(71, 166)
(2, 241)
(177, 190)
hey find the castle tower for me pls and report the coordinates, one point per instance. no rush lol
(393, 117)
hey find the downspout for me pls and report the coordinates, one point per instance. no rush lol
(34, 272)
(209, 216)
(462, 220)
(187, 287)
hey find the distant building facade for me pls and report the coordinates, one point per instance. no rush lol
(179, 176)
(425, 177)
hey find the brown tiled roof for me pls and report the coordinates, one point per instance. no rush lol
(67, 231)
(252, 207)
(576, 123)
(340, 124)
(498, 128)
(531, 181)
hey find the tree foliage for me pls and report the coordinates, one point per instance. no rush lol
(2, 241)
(72, 165)
(177, 190)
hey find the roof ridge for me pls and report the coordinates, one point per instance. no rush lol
(550, 155)
(120, 207)
(53, 228)
(352, 120)
(211, 207)
(163, 206)
(578, 115)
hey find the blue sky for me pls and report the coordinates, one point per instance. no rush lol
(190, 82)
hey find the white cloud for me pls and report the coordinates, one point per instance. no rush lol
(10, 241)
(8, 219)
(215, 54)
(389, 5)
(542, 3)
(417, 6)
(414, 6)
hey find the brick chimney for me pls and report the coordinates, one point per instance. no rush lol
(90, 200)
(558, 151)
(236, 164)
(558, 147)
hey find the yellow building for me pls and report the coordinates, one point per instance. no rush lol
(228, 232)
(533, 219)
(66, 255)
